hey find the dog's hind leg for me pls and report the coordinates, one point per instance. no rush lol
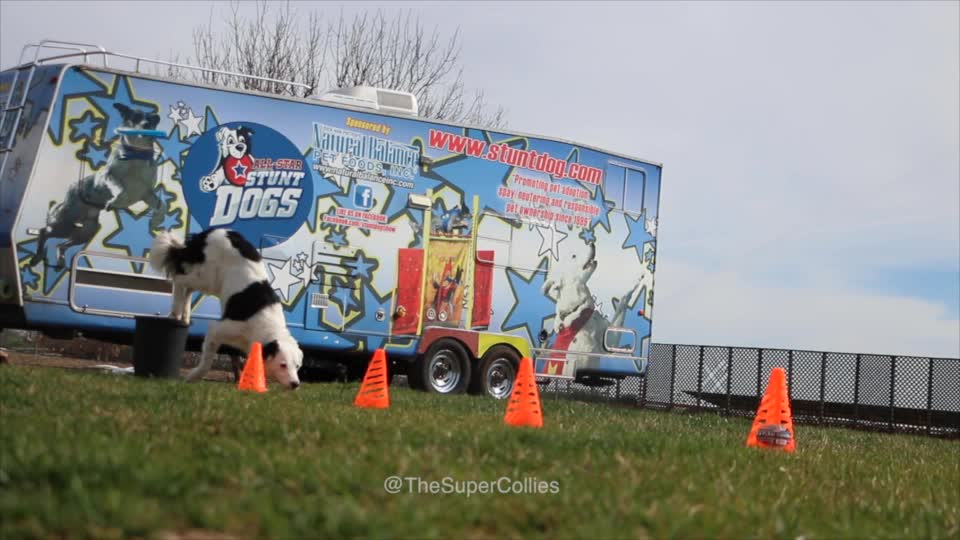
(211, 344)
(84, 233)
(157, 208)
(185, 307)
(181, 303)
(41, 253)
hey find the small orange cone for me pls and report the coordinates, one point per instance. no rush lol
(253, 379)
(373, 392)
(524, 406)
(773, 425)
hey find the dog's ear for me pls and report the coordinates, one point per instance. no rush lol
(124, 110)
(153, 120)
(221, 133)
(270, 350)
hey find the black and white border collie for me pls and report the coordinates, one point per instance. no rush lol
(222, 263)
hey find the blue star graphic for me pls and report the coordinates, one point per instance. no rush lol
(239, 169)
(638, 236)
(171, 221)
(587, 236)
(530, 306)
(338, 239)
(26, 249)
(132, 235)
(633, 319)
(166, 196)
(362, 267)
(462, 170)
(29, 277)
(209, 119)
(83, 127)
(75, 83)
(52, 276)
(96, 156)
(603, 218)
(173, 148)
(122, 94)
(346, 299)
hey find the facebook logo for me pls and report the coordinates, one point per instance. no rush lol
(363, 197)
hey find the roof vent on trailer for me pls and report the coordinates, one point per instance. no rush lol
(368, 97)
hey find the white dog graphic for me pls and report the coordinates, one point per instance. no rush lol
(235, 159)
(579, 326)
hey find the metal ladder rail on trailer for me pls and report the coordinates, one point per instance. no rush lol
(8, 132)
(86, 50)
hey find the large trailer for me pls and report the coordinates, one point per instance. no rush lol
(457, 249)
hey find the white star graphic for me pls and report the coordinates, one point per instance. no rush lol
(651, 226)
(192, 124)
(552, 245)
(282, 278)
(174, 115)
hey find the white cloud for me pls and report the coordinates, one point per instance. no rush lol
(725, 308)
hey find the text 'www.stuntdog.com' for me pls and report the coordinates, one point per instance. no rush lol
(450, 486)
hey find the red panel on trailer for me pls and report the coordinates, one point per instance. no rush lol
(482, 289)
(409, 290)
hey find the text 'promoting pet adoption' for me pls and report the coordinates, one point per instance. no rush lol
(450, 486)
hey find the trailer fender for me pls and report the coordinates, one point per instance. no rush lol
(477, 343)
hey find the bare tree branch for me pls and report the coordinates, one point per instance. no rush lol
(395, 53)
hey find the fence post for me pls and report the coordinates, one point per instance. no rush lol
(790, 374)
(893, 387)
(823, 382)
(856, 393)
(759, 374)
(643, 391)
(673, 371)
(929, 394)
(700, 377)
(729, 368)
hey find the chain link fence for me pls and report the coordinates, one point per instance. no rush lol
(868, 391)
(881, 392)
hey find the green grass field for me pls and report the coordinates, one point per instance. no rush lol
(93, 455)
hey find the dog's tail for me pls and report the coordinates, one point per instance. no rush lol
(164, 251)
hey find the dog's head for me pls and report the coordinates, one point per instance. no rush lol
(282, 360)
(235, 142)
(137, 119)
(570, 282)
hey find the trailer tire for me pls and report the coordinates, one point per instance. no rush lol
(444, 368)
(497, 372)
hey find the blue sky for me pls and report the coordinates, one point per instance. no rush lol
(811, 182)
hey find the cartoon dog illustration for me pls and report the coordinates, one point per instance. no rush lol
(235, 161)
(446, 287)
(578, 324)
(454, 221)
(129, 177)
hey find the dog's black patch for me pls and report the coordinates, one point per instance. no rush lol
(271, 349)
(245, 248)
(190, 253)
(246, 133)
(248, 302)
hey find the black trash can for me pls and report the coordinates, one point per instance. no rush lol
(158, 345)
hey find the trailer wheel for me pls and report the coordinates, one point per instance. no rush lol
(497, 373)
(445, 368)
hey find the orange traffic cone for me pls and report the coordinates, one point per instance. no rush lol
(524, 406)
(773, 425)
(373, 392)
(253, 379)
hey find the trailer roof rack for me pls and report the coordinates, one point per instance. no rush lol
(85, 51)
